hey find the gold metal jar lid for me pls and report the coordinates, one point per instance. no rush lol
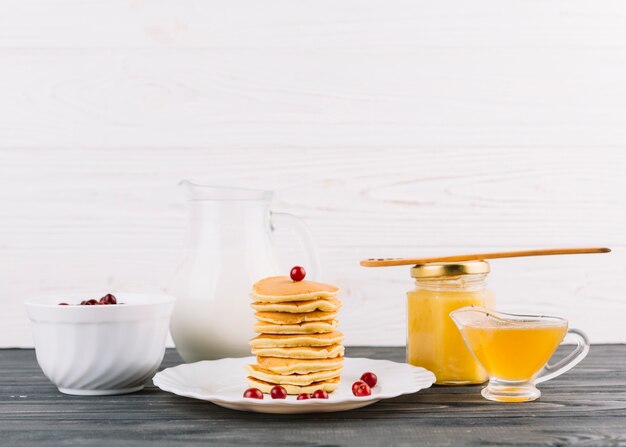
(440, 269)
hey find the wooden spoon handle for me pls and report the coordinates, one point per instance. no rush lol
(387, 262)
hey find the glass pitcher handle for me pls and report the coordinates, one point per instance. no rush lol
(312, 265)
(571, 360)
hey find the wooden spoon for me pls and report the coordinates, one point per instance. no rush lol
(387, 262)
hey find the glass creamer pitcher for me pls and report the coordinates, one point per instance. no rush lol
(228, 247)
(515, 349)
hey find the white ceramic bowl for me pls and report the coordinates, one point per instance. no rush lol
(99, 350)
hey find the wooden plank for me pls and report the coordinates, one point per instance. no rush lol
(312, 24)
(586, 405)
(292, 98)
(403, 129)
(113, 220)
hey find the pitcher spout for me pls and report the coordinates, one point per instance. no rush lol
(198, 192)
(467, 316)
(482, 316)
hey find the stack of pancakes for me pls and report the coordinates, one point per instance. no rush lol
(297, 347)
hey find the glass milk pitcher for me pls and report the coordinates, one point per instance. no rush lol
(228, 247)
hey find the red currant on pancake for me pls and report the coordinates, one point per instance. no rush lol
(297, 273)
(303, 396)
(361, 389)
(253, 393)
(278, 392)
(370, 378)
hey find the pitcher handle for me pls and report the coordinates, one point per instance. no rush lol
(312, 266)
(571, 360)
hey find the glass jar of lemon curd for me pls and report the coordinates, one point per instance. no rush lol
(433, 340)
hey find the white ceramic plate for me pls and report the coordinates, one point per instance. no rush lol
(224, 381)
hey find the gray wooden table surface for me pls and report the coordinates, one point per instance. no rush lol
(586, 406)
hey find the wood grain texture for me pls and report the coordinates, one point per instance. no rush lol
(402, 129)
(585, 406)
(114, 220)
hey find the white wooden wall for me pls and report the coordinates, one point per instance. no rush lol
(395, 127)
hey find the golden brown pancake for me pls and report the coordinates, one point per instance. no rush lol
(327, 385)
(298, 307)
(311, 327)
(276, 289)
(288, 318)
(298, 346)
(276, 341)
(285, 366)
(302, 352)
(291, 379)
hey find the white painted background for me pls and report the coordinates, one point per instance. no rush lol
(395, 127)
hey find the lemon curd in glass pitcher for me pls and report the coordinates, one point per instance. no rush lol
(515, 349)
(514, 353)
(433, 340)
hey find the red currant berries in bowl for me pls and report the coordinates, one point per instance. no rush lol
(297, 273)
(108, 299)
(253, 393)
(278, 392)
(112, 349)
(361, 389)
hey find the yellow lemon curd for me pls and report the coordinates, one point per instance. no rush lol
(514, 353)
(433, 340)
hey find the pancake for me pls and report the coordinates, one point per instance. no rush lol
(297, 307)
(301, 352)
(291, 379)
(284, 366)
(288, 318)
(327, 385)
(311, 327)
(277, 289)
(290, 341)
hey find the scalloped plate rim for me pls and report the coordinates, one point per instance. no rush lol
(170, 380)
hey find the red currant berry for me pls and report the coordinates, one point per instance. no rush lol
(370, 378)
(253, 393)
(63, 304)
(303, 396)
(278, 392)
(91, 302)
(108, 299)
(319, 394)
(360, 389)
(297, 273)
